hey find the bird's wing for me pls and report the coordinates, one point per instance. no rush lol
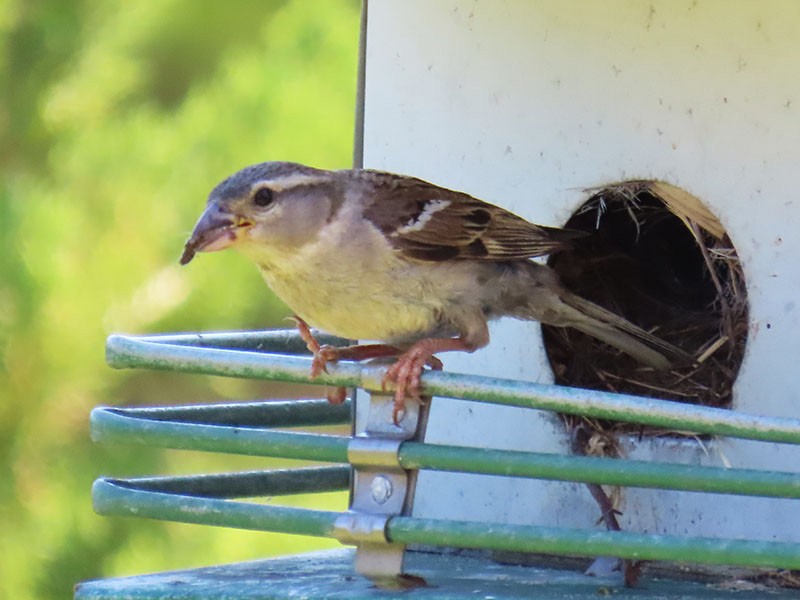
(427, 222)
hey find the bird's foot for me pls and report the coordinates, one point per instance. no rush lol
(323, 354)
(406, 373)
(337, 395)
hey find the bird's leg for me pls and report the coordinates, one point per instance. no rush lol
(365, 351)
(319, 365)
(323, 354)
(406, 372)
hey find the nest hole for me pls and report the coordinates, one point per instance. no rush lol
(657, 256)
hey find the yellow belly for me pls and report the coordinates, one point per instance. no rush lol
(390, 310)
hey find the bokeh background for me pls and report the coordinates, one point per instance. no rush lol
(116, 119)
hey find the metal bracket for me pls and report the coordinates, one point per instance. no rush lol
(381, 488)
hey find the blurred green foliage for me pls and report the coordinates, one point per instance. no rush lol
(116, 119)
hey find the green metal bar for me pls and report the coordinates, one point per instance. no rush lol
(617, 407)
(607, 471)
(282, 341)
(129, 352)
(112, 499)
(109, 498)
(248, 484)
(272, 413)
(111, 425)
(119, 425)
(244, 429)
(577, 542)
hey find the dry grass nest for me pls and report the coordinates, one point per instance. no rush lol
(657, 256)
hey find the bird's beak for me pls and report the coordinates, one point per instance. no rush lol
(217, 229)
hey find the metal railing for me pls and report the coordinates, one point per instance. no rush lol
(250, 429)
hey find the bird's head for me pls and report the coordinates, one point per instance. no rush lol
(265, 209)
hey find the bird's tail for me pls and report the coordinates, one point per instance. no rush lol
(624, 335)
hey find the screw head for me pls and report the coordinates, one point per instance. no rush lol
(381, 488)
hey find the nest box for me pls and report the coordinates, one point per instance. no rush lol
(670, 129)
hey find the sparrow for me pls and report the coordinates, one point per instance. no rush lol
(417, 268)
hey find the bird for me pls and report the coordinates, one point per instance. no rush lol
(416, 268)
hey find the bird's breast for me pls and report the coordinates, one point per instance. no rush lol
(358, 290)
(356, 307)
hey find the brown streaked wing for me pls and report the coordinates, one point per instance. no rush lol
(427, 222)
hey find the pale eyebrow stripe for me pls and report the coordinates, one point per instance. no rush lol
(285, 183)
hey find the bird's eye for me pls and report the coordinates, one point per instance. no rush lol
(263, 197)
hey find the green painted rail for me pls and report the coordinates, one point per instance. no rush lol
(176, 353)
(134, 426)
(251, 428)
(246, 484)
(146, 426)
(113, 498)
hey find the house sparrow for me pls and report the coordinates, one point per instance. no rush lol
(368, 255)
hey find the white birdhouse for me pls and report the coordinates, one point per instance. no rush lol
(538, 107)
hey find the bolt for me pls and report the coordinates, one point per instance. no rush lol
(381, 489)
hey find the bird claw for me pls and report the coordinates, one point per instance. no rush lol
(337, 396)
(322, 354)
(406, 374)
